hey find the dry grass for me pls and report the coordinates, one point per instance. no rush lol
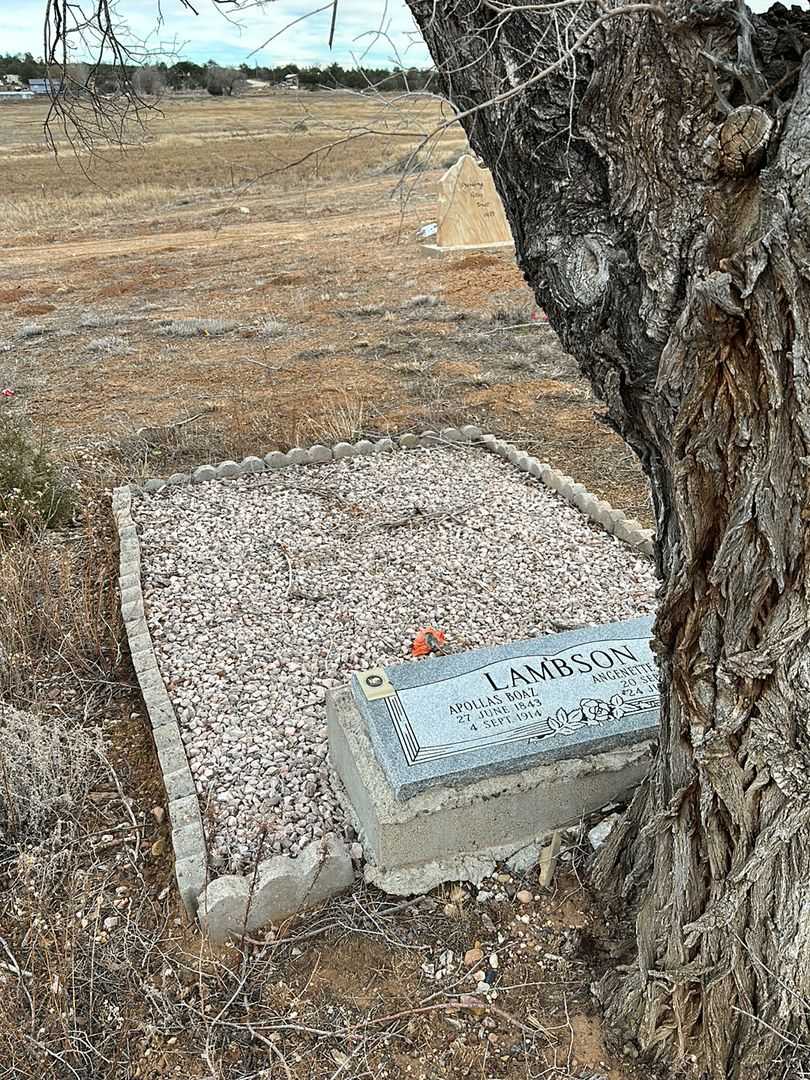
(196, 145)
(24, 213)
(58, 605)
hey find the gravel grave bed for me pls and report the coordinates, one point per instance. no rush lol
(262, 593)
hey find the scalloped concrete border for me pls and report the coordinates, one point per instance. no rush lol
(616, 522)
(233, 904)
(188, 836)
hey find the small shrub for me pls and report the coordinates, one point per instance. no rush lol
(30, 330)
(272, 328)
(449, 160)
(32, 491)
(516, 316)
(47, 766)
(111, 344)
(96, 319)
(185, 328)
(408, 163)
(425, 300)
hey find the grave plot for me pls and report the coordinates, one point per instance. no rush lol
(264, 593)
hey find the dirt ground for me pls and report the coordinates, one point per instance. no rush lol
(325, 314)
(198, 303)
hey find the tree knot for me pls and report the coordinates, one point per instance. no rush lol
(587, 270)
(737, 146)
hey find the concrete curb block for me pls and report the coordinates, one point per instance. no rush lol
(234, 904)
(188, 837)
(613, 521)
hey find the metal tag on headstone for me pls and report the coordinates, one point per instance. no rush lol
(454, 719)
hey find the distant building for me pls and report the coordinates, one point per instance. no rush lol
(45, 86)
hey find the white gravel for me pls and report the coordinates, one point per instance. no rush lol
(261, 593)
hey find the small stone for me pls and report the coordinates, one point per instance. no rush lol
(451, 434)
(159, 847)
(603, 514)
(524, 896)
(298, 456)
(409, 441)
(343, 450)
(383, 446)
(178, 478)
(470, 431)
(473, 957)
(356, 852)
(493, 961)
(111, 922)
(227, 470)
(158, 813)
(630, 530)
(154, 485)
(599, 833)
(364, 447)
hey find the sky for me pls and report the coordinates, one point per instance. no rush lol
(209, 35)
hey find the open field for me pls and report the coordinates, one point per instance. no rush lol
(202, 296)
(322, 311)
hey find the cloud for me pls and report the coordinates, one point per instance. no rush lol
(383, 34)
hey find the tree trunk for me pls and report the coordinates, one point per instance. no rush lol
(656, 183)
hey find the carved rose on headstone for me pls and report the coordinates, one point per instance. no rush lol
(591, 712)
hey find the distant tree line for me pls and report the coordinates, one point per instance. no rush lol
(218, 80)
(335, 76)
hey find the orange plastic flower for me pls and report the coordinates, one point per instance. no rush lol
(428, 641)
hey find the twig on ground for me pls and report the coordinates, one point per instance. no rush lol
(256, 363)
(176, 423)
(287, 559)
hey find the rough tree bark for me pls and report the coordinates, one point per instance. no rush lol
(657, 188)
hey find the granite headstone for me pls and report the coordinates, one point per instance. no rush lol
(449, 720)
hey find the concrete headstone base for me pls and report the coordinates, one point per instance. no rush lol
(459, 833)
